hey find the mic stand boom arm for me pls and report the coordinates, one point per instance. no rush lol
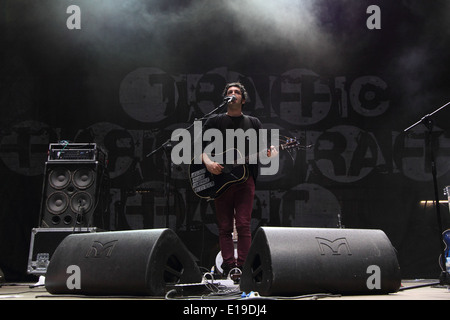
(206, 116)
(426, 117)
(167, 144)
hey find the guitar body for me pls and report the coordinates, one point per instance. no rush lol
(210, 186)
(446, 239)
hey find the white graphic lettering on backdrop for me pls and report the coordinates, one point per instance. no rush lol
(327, 112)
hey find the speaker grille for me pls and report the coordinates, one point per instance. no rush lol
(57, 202)
(83, 178)
(74, 194)
(59, 178)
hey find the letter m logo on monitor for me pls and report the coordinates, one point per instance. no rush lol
(333, 246)
(99, 250)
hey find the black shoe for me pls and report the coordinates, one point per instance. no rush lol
(226, 268)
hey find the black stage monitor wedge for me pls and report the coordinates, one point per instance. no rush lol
(135, 262)
(296, 261)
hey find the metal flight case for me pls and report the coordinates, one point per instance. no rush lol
(43, 244)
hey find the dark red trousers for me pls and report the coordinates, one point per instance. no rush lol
(235, 204)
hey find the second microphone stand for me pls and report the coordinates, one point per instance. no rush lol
(427, 120)
(167, 145)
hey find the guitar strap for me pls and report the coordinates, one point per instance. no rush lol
(247, 123)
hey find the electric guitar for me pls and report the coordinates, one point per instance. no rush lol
(445, 236)
(210, 186)
(446, 239)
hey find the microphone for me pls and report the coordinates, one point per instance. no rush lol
(229, 99)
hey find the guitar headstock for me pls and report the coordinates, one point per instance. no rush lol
(293, 144)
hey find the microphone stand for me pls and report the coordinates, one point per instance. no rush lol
(206, 116)
(167, 144)
(427, 120)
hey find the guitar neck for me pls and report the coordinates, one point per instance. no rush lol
(290, 144)
(254, 157)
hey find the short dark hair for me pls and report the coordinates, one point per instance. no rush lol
(236, 84)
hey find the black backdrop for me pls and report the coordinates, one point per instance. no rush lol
(136, 70)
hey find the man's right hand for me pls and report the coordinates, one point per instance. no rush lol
(214, 168)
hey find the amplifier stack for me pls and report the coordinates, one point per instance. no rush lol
(75, 197)
(75, 186)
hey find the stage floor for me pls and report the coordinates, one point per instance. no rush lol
(410, 290)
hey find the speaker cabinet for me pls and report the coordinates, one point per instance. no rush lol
(74, 195)
(137, 262)
(295, 261)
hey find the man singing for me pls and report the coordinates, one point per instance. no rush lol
(236, 203)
